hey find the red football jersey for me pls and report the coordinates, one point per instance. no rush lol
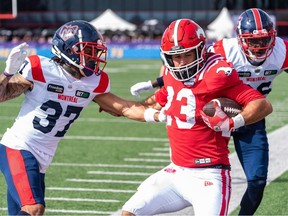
(192, 142)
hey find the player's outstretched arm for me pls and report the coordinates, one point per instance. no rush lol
(117, 106)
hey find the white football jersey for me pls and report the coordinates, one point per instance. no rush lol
(258, 77)
(50, 108)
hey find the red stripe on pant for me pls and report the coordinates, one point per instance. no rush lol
(226, 191)
(19, 176)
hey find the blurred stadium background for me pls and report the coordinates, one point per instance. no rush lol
(100, 180)
(36, 20)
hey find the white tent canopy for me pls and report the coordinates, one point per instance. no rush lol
(221, 27)
(108, 20)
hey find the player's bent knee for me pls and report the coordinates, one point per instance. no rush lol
(257, 184)
(37, 209)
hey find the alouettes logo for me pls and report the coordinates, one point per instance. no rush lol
(68, 31)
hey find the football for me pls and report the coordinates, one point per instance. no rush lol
(230, 107)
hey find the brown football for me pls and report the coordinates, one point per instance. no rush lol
(230, 107)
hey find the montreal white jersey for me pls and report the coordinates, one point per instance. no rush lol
(258, 77)
(50, 108)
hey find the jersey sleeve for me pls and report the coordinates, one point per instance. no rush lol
(104, 84)
(285, 63)
(26, 68)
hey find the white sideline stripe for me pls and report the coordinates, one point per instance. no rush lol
(80, 199)
(90, 189)
(107, 165)
(141, 139)
(119, 173)
(154, 154)
(104, 181)
(146, 160)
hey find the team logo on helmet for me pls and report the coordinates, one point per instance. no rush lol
(68, 31)
(200, 33)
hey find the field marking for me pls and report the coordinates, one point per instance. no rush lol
(85, 212)
(104, 181)
(108, 165)
(161, 149)
(71, 211)
(80, 199)
(154, 154)
(140, 139)
(89, 189)
(119, 173)
(137, 139)
(146, 160)
(118, 120)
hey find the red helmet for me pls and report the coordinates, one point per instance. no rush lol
(256, 34)
(182, 36)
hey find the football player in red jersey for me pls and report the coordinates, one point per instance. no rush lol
(56, 91)
(199, 173)
(258, 56)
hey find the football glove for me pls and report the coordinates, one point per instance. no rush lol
(141, 87)
(15, 59)
(162, 116)
(221, 122)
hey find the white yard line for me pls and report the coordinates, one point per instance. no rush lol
(104, 181)
(119, 173)
(72, 211)
(80, 199)
(105, 190)
(107, 165)
(147, 160)
(140, 139)
(153, 154)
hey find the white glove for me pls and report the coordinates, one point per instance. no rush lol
(16, 58)
(141, 87)
(162, 116)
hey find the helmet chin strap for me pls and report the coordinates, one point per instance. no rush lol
(254, 62)
(74, 73)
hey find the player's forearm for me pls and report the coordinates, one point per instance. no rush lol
(12, 87)
(256, 110)
(3, 84)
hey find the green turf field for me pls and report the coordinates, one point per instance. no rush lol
(103, 159)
